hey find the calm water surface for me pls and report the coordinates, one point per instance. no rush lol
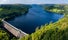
(34, 18)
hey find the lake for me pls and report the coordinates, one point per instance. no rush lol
(35, 17)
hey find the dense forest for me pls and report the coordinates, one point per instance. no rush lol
(3, 35)
(9, 11)
(51, 31)
(56, 8)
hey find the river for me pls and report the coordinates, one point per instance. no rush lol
(35, 17)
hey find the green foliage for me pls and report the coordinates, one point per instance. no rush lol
(14, 38)
(56, 8)
(53, 31)
(9, 11)
(3, 35)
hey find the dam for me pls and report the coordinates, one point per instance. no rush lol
(15, 31)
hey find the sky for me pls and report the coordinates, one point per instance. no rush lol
(33, 1)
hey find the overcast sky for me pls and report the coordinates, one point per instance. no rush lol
(33, 1)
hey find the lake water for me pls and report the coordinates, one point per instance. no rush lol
(35, 17)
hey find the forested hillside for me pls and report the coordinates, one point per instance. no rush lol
(56, 8)
(53, 31)
(10, 11)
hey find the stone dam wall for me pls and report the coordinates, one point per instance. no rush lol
(15, 31)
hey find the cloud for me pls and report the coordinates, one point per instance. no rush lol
(3, 1)
(33, 1)
(15, 1)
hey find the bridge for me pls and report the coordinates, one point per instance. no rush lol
(15, 31)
